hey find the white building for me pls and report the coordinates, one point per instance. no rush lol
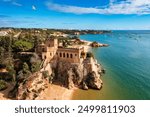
(3, 33)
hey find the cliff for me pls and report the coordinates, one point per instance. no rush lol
(32, 87)
(83, 75)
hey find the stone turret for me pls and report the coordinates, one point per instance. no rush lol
(52, 43)
(48, 49)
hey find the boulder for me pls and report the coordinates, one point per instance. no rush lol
(93, 81)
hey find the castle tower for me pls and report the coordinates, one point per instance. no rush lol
(52, 43)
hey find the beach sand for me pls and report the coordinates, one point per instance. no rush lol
(56, 92)
(53, 92)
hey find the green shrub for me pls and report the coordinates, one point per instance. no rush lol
(35, 67)
(45, 74)
(3, 85)
(20, 45)
(89, 55)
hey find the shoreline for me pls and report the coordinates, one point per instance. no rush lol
(56, 92)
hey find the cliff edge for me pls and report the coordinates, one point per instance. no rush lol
(83, 75)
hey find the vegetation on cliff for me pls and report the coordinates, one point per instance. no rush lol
(3, 85)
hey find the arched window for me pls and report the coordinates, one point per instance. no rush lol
(60, 54)
(64, 55)
(70, 55)
(67, 55)
(50, 54)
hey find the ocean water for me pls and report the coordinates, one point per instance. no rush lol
(127, 64)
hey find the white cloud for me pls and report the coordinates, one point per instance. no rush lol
(13, 2)
(33, 7)
(112, 2)
(72, 9)
(124, 7)
(17, 4)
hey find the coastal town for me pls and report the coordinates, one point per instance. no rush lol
(47, 63)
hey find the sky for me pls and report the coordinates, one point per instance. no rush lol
(76, 14)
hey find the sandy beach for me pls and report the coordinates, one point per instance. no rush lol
(86, 45)
(53, 92)
(56, 92)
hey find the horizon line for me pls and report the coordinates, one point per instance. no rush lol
(76, 29)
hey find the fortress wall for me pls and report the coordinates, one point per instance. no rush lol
(67, 54)
(50, 50)
(40, 49)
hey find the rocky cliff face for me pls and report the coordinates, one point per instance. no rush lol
(83, 75)
(31, 88)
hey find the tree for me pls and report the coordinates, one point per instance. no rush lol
(45, 74)
(11, 72)
(35, 63)
(35, 67)
(25, 68)
(22, 45)
(2, 51)
(24, 73)
(89, 55)
(3, 85)
(5, 42)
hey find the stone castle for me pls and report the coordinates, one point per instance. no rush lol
(71, 69)
(51, 50)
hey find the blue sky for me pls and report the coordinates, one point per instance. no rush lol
(76, 14)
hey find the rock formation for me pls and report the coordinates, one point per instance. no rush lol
(83, 75)
(31, 88)
(96, 44)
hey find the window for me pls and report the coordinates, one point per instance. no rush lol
(67, 55)
(70, 55)
(60, 54)
(64, 55)
(50, 54)
(75, 54)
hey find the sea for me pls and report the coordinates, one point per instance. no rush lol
(127, 64)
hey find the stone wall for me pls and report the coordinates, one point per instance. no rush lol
(50, 49)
